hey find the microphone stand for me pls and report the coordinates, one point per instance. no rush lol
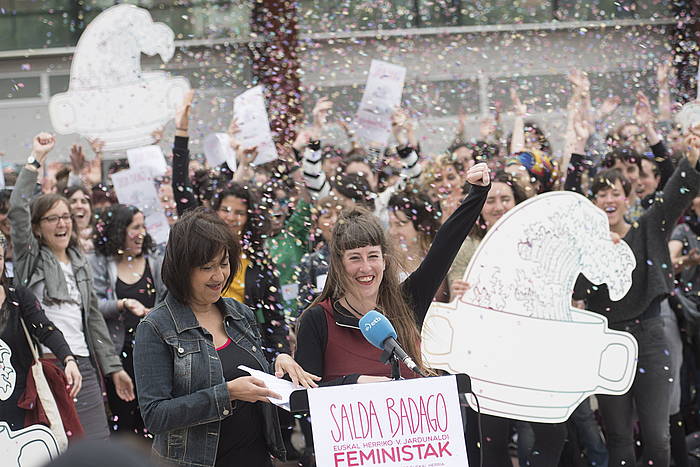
(390, 358)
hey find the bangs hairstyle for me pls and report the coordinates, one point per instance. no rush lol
(111, 230)
(44, 203)
(356, 228)
(606, 180)
(195, 240)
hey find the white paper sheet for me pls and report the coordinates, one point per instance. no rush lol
(217, 150)
(251, 115)
(150, 157)
(381, 98)
(281, 386)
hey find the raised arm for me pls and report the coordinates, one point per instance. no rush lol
(182, 190)
(25, 245)
(424, 282)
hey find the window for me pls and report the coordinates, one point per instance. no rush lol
(59, 23)
(357, 15)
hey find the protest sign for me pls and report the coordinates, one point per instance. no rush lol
(150, 157)
(381, 98)
(250, 114)
(530, 354)
(413, 422)
(109, 97)
(137, 188)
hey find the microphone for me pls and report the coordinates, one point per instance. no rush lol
(379, 331)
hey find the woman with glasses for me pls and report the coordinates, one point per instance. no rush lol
(49, 262)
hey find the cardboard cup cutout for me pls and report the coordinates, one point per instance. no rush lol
(530, 354)
(109, 97)
(33, 446)
(8, 375)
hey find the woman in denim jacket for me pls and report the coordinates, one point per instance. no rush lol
(201, 408)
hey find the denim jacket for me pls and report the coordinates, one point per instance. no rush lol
(180, 382)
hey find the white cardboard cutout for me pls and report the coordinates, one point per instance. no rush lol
(109, 97)
(531, 355)
(8, 375)
(33, 446)
(381, 97)
(250, 112)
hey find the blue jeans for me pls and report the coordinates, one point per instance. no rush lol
(589, 435)
(650, 394)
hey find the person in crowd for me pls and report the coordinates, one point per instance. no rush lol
(363, 275)
(81, 209)
(7, 232)
(188, 351)
(413, 222)
(639, 312)
(312, 271)
(18, 307)
(49, 262)
(127, 277)
(444, 182)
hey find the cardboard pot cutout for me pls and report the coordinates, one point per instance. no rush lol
(33, 446)
(530, 354)
(109, 97)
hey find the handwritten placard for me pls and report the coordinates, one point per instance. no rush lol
(137, 188)
(398, 423)
(251, 115)
(381, 98)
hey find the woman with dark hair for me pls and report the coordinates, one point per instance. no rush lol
(203, 409)
(18, 305)
(413, 223)
(48, 261)
(80, 199)
(363, 275)
(255, 284)
(127, 276)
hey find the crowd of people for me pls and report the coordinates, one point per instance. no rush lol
(272, 265)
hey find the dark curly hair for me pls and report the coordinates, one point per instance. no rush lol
(257, 227)
(110, 230)
(421, 211)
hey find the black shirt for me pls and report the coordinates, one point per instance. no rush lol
(241, 435)
(142, 291)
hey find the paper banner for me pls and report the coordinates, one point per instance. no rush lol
(381, 98)
(531, 355)
(251, 115)
(109, 97)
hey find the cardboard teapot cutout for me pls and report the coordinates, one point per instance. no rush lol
(532, 356)
(32, 446)
(109, 97)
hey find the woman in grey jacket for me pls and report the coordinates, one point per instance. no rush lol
(48, 261)
(128, 284)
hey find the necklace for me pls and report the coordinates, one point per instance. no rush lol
(357, 313)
